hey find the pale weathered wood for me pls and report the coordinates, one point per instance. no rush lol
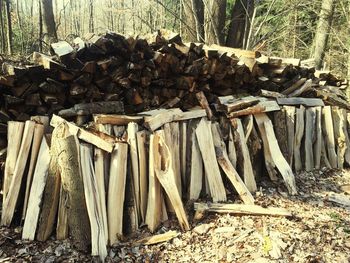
(155, 119)
(281, 131)
(308, 102)
(143, 158)
(339, 135)
(14, 139)
(328, 131)
(318, 133)
(68, 160)
(154, 202)
(36, 144)
(9, 205)
(290, 121)
(262, 106)
(116, 192)
(100, 160)
(196, 169)
(226, 166)
(299, 133)
(132, 141)
(165, 174)
(231, 149)
(324, 157)
(172, 139)
(347, 138)
(156, 239)
(239, 209)
(116, 119)
(266, 127)
(62, 217)
(36, 191)
(206, 146)
(93, 205)
(204, 104)
(243, 155)
(183, 148)
(105, 143)
(310, 119)
(44, 120)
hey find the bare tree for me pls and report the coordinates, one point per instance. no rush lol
(348, 73)
(3, 40)
(240, 23)
(322, 31)
(214, 16)
(9, 27)
(91, 18)
(49, 24)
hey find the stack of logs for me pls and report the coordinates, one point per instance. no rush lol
(150, 128)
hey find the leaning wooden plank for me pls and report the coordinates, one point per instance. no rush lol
(44, 120)
(347, 138)
(191, 114)
(305, 87)
(263, 106)
(157, 119)
(36, 191)
(204, 104)
(328, 131)
(68, 160)
(101, 163)
(239, 209)
(243, 162)
(156, 239)
(265, 126)
(206, 146)
(172, 139)
(308, 102)
(132, 141)
(324, 157)
(318, 143)
(339, 135)
(224, 162)
(183, 147)
(299, 133)
(106, 143)
(290, 121)
(196, 167)
(93, 205)
(116, 192)
(240, 104)
(310, 119)
(9, 205)
(116, 119)
(154, 202)
(143, 158)
(14, 138)
(62, 217)
(165, 174)
(37, 138)
(231, 149)
(281, 131)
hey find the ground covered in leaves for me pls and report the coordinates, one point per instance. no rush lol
(318, 231)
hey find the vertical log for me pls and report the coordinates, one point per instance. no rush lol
(328, 132)
(299, 133)
(310, 118)
(319, 138)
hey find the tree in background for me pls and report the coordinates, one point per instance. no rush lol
(214, 21)
(49, 24)
(323, 31)
(9, 26)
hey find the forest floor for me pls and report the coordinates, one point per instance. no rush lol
(318, 231)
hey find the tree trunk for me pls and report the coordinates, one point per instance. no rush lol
(48, 21)
(40, 28)
(240, 23)
(3, 41)
(348, 75)
(322, 32)
(91, 18)
(194, 17)
(9, 27)
(215, 15)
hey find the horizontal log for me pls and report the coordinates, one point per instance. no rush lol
(308, 102)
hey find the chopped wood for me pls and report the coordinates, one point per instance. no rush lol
(225, 164)
(156, 239)
(339, 125)
(10, 202)
(36, 192)
(328, 132)
(14, 139)
(206, 146)
(280, 127)
(104, 107)
(204, 104)
(116, 192)
(243, 162)
(294, 87)
(116, 119)
(105, 143)
(347, 138)
(239, 209)
(232, 155)
(236, 51)
(290, 122)
(266, 128)
(310, 121)
(271, 94)
(165, 174)
(142, 151)
(62, 217)
(262, 106)
(159, 118)
(319, 138)
(308, 102)
(299, 133)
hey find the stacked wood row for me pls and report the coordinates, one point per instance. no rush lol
(161, 71)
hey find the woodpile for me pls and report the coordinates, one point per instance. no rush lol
(134, 132)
